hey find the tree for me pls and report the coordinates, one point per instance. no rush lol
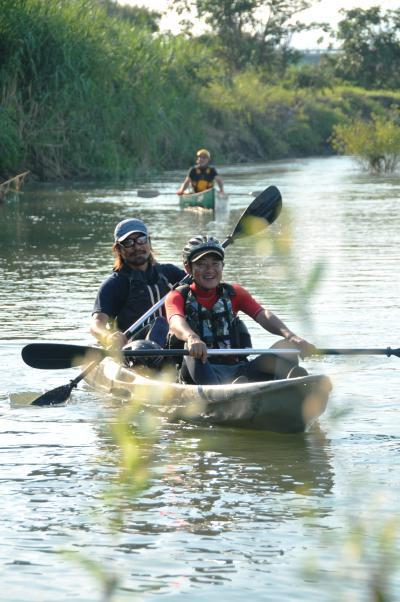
(139, 16)
(250, 32)
(370, 48)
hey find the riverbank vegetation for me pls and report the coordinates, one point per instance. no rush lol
(376, 142)
(91, 89)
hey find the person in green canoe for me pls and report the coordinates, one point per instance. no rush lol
(204, 315)
(202, 175)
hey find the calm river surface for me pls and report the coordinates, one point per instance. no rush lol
(226, 515)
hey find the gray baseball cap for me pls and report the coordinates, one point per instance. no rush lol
(127, 227)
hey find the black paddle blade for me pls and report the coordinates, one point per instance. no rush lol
(57, 356)
(262, 212)
(55, 396)
(147, 193)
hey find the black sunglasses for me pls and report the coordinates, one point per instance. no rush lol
(129, 242)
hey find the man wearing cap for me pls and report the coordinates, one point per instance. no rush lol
(202, 175)
(204, 315)
(136, 283)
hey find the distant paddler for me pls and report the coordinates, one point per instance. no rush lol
(202, 175)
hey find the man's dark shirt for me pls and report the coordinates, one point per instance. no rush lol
(113, 292)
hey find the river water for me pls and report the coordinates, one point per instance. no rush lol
(224, 514)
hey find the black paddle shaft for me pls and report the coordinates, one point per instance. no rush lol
(388, 351)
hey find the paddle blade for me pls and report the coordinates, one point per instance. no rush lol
(55, 396)
(147, 193)
(54, 356)
(262, 212)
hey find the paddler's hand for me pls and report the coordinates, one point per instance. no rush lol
(197, 348)
(306, 348)
(116, 340)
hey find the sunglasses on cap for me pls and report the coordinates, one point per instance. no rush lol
(130, 242)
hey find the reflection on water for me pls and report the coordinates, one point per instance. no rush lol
(226, 513)
(285, 463)
(207, 465)
(209, 489)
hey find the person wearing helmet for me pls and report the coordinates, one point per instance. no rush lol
(204, 315)
(137, 282)
(202, 175)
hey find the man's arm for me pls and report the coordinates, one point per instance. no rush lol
(178, 325)
(181, 329)
(186, 183)
(270, 322)
(220, 183)
(106, 337)
(108, 303)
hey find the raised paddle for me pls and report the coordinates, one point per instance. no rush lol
(57, 356)
(261, 212)
(149, 193)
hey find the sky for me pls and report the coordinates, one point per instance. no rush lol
(325, 10)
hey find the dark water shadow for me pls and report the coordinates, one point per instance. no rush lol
(286, 462)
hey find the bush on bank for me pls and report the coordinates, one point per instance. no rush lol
(376, 142)
(251, 119)
(86, 95)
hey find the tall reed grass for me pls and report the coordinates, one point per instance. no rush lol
(83, 94)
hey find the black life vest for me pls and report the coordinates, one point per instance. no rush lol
(218, 327)
(202, 178)
(145, 289)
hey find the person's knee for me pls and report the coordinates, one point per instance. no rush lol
(284, 344)
(199, 373)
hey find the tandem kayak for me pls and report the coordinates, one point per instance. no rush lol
(281, 406)
(205, 199)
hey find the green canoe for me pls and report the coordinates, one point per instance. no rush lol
(205, 199)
